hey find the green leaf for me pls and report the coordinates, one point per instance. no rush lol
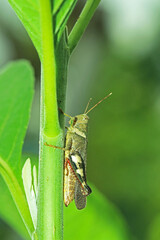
(29, 14)
(30, 187)
(62, 12)
(9, 213)
(8, 210)
(99, 220)
(57, 5)
(16, 91)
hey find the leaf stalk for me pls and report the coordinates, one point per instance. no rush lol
(82, 23)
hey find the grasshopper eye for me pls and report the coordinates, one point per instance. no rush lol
(75, 120)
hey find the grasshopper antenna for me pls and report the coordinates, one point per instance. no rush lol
(97, 103)
(87, 105)
(64, 113)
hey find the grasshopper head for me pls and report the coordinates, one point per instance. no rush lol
(79, 121)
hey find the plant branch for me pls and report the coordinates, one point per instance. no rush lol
(50, 179)
(49, 96)
(82, 23)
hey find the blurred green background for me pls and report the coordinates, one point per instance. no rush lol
(119, 53)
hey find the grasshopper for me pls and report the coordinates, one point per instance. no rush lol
(75, 183)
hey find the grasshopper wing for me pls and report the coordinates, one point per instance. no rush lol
(69, 183)
(80, 199)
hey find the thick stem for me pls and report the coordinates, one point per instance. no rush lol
(50, 204)
(49, 96)
(82, 23)
(50, 181)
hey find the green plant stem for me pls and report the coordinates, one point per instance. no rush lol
(50, 179)
(49, 96)
(82, 23)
